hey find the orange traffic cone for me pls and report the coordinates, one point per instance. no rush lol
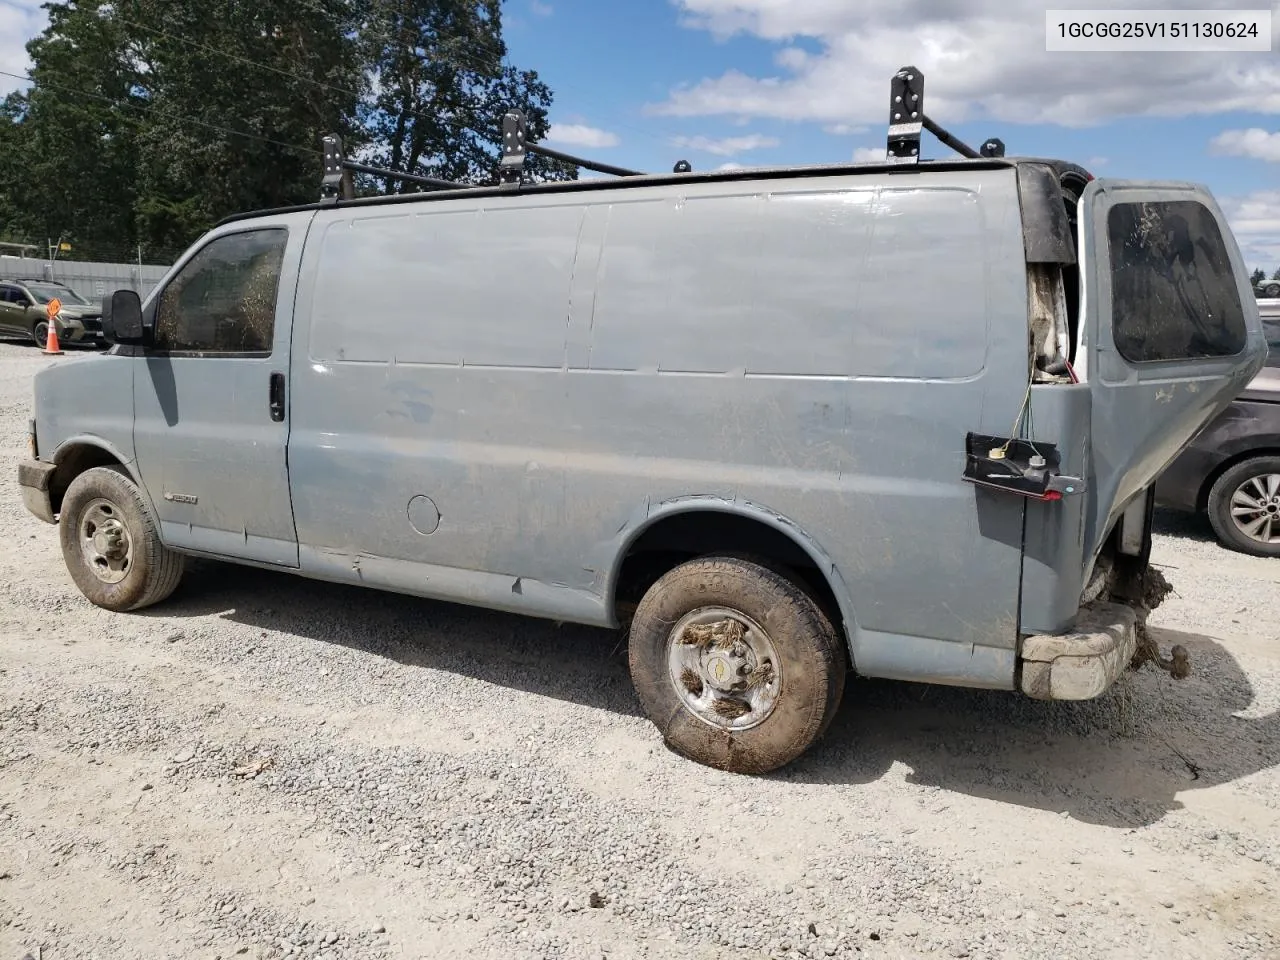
(51, 344)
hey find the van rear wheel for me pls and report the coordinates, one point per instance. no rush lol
(111, 544)
(735, 664)
(1244, 507)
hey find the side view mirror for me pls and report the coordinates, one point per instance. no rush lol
(122, 318)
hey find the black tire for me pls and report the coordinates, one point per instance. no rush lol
(1219, 506)
(151, 571)
(1271, 290)
(812, 663)
(40, 333)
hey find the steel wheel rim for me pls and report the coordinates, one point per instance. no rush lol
(105, 543)
(724, 668)
(1255, 508)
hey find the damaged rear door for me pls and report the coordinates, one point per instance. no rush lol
(1171, 335)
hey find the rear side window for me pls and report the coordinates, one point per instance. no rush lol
(1174, 294)
(1271, 326)
(223, 301)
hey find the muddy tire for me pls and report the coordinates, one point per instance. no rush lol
(1244, 507)
(111, 544)
(735, 664)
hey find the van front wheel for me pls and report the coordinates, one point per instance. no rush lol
(735, 664)
(111, 545)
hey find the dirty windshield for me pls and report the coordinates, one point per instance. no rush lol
(1174, 294)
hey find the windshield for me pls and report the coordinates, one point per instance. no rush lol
(44, 292)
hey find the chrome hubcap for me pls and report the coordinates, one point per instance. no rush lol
(1255, 508)
(105, 542)
(724, 668)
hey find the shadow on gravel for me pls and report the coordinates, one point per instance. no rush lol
(1119, 761)
(1184, 526)
(569, 662)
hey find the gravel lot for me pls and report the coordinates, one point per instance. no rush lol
(266, 766)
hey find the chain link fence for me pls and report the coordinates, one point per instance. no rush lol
(92, 273)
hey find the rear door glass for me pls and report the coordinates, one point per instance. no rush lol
(1174, 294)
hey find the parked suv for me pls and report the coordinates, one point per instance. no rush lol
(23, 312)
(1231, 470)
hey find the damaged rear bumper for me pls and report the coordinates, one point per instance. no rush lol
(1085, 662)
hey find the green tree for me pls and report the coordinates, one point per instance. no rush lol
(1276, 275)
(148, 120)
(1257, 276)
(239, 98)
(443, 84)
(75, 142)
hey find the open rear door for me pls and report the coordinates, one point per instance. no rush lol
(1171, 334)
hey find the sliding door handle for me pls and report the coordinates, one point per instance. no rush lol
(276, 400)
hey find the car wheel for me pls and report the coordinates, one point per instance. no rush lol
(111, 544)
(40, 334)
(735, 664)
(1271, 290)
(1244, 507)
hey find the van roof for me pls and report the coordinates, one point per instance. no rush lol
(658, 179)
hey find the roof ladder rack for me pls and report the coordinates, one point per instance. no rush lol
(907, 119)
(336, 183)
(516, 146)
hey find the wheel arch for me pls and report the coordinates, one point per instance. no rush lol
(77, 454)
(693, 526)
(1202, 497)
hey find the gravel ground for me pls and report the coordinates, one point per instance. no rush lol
(266, 766)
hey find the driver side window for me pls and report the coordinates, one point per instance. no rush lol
(224, 300)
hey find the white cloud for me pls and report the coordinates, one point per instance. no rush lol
(20, 21)
(980, 58)
(1094, 163)
(731, 166)
(541, 9)
(727, 146)
(1255, 221)
(580, 135)
(844, 129)
(870, 154)
(1254, 142)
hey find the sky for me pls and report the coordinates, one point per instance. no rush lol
(644, 83)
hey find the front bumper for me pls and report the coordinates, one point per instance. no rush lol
(34, 477)
(1084, 663)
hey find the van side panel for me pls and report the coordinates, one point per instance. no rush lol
(794, 349)
(550, 370)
